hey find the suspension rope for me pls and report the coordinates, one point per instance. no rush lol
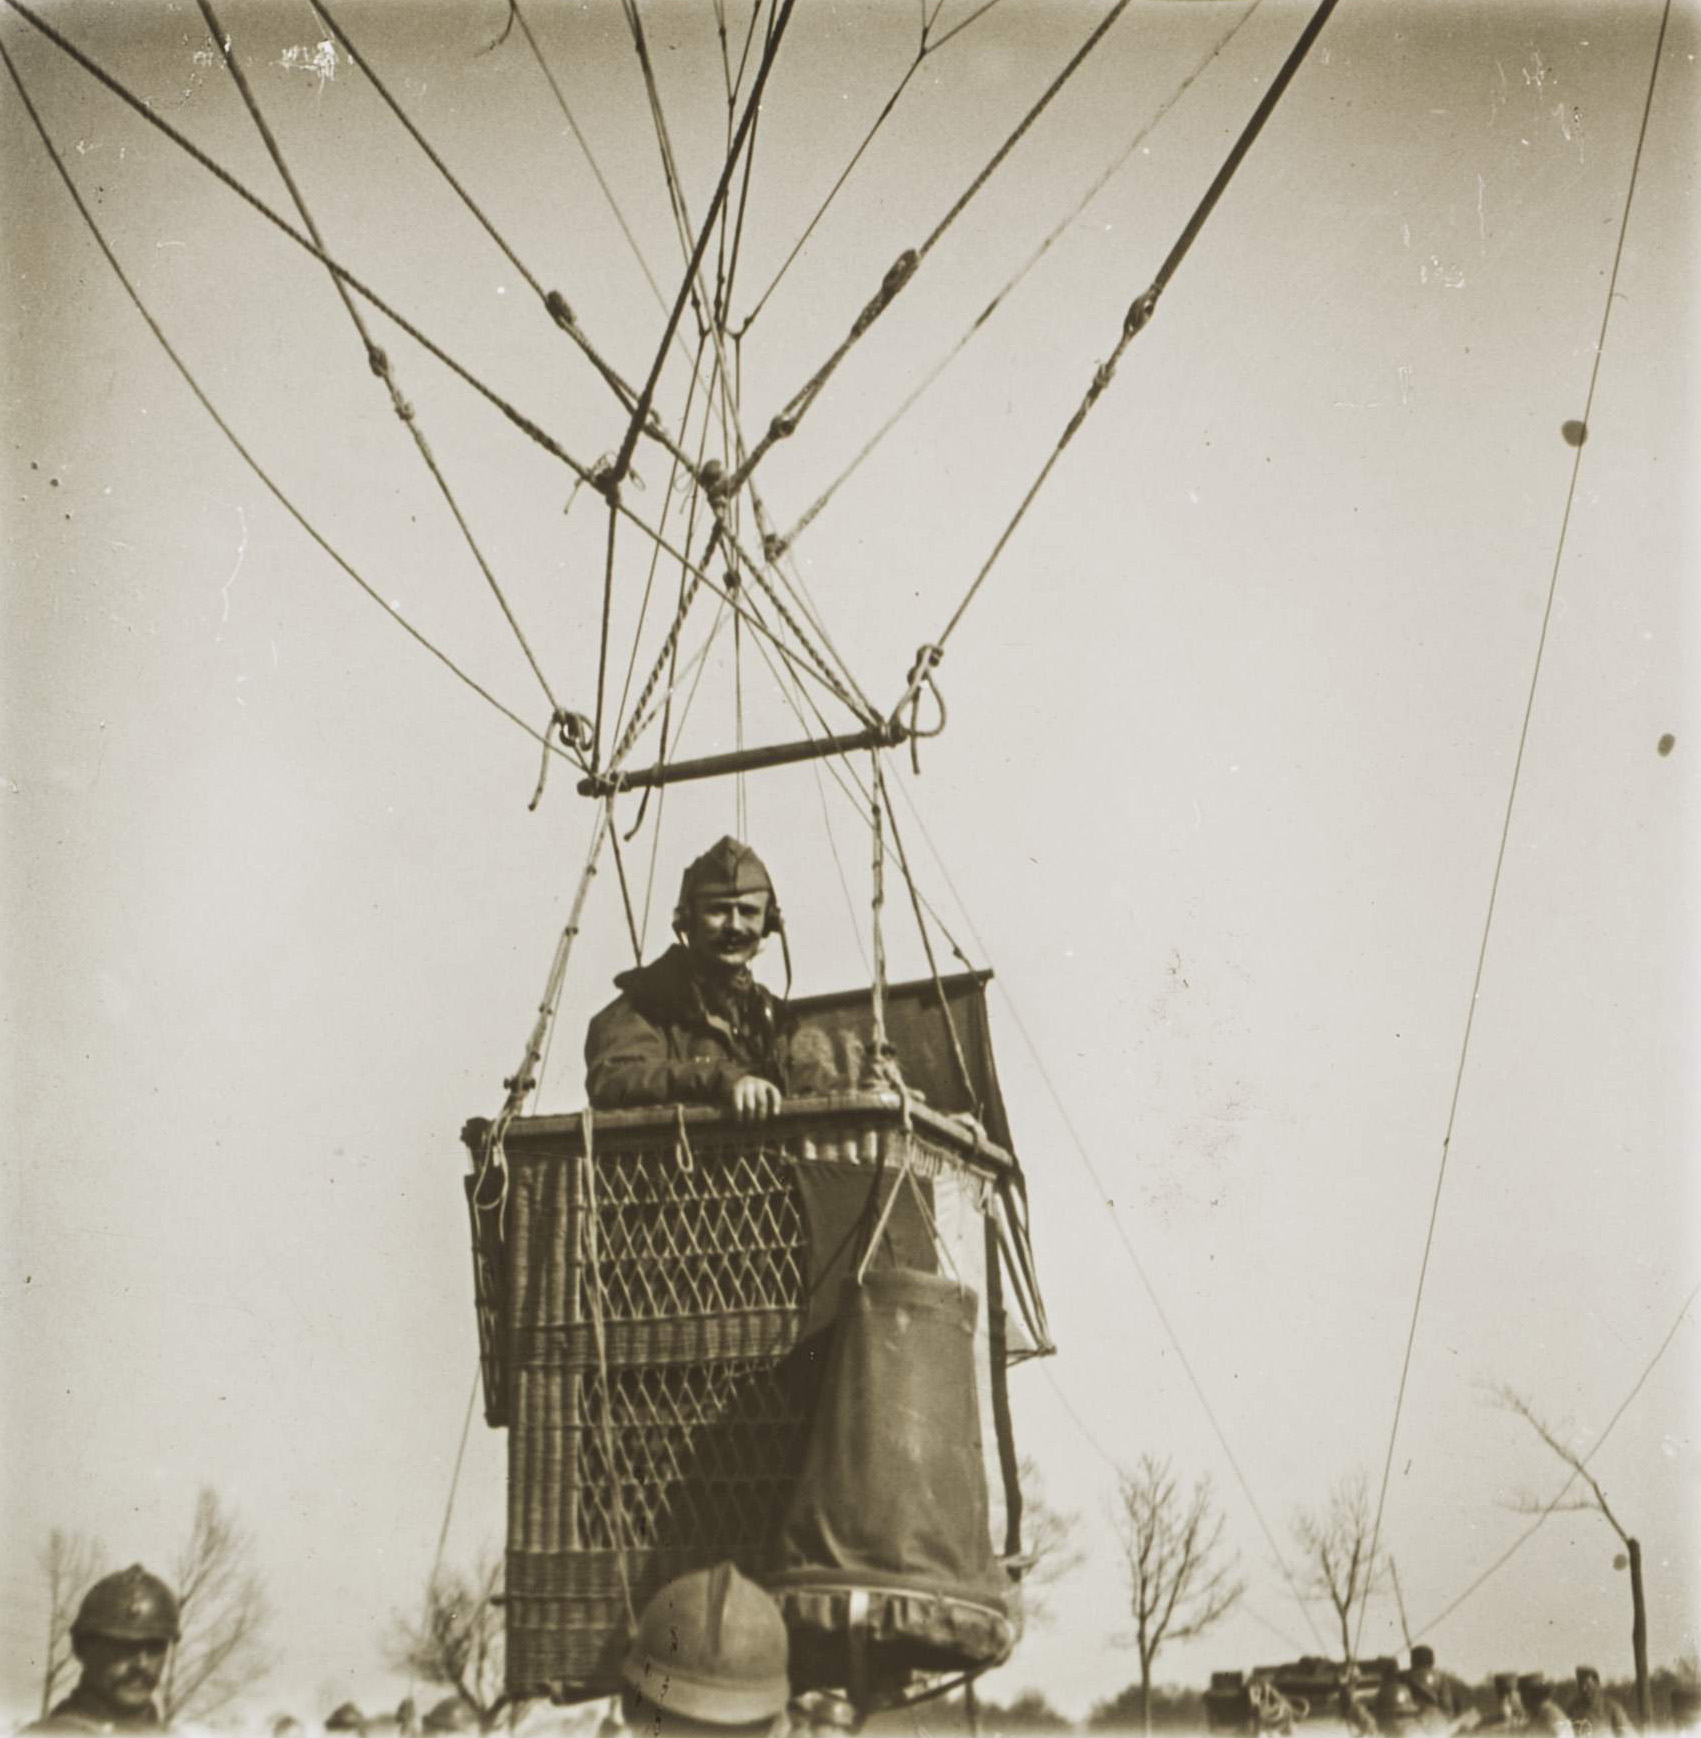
(664, 145)
(590, 156)
(599, 478)
(713, 327)
(1511, 802)
(899, 273)
(655, 548)
(224, 428)
(687, 596)
(217, 169)
(1564, 1490)
(554, 303)
(926, 48)
(1144, 306)
(1128, 1248)
(529, 1074)
(376, 357)
(884, 1056)
(979, 323)
(964, 1078)
(770, 53)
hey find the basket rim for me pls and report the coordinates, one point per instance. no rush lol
(565, 1131)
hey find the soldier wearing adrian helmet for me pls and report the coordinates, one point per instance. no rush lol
(694, 1027)
(122, 1632)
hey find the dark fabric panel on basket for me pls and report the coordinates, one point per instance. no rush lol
(841, 1205)
(918, 1029)
(892, 1499)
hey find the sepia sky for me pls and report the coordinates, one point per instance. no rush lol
(1232, 731)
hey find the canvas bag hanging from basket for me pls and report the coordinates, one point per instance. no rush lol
(885, 1563)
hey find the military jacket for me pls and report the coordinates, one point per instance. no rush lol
(82, 1712)
(662, 1042)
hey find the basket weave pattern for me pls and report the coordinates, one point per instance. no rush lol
(689, 1450)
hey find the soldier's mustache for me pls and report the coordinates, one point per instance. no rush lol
(144, 1677)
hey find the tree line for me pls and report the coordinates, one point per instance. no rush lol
(1179, 1578)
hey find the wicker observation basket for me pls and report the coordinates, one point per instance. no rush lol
(651, 1291)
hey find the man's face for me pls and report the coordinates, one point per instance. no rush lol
(124, 1674)
(726, 929)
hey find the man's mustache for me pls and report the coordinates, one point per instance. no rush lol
(144, 1677)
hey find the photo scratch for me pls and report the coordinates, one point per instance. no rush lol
(241, 556)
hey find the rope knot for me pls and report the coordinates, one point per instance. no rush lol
(774, 547)
(1139, 313)
(377, 361)
(573, 729)
(605, 479)
(731, 581)
(927, 656)
(715, 481)
(782, 427)
(559, 311)
(403, 408)
(898, 273)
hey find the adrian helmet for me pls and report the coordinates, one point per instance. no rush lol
(711, 1646)
(129, 1605)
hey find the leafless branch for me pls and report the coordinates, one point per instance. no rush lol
(457, 1640)
(224, 1615)
(1053, 1548)
(1512, 1401)
(1336, 1541)
(70, 1562)
(1171, 1543)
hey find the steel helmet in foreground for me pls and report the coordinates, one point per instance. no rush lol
(711, 1645)
(128, 1605)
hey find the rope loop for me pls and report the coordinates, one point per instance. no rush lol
(573, 729)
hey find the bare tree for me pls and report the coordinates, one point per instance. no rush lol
(1178, 1586)
(70, 1562)
(223, 1615)
(1594, 1502)
(1336, 1540)
(1053, 1550)
(457, 1640)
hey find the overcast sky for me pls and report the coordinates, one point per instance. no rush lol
(1232, 733)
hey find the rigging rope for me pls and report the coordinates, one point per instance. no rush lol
(899, 273)
(378, 360)
(770, 53)
(1144, 306)
(1511, 802)
(598, 478)
(667, 506)
(1564, 1490)
(712, 327)
(1123, 1238)
(590, 157)
(235, 440)
(554, 303)
(880, 120)
(808, 516)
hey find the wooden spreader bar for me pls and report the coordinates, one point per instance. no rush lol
(887, 734)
